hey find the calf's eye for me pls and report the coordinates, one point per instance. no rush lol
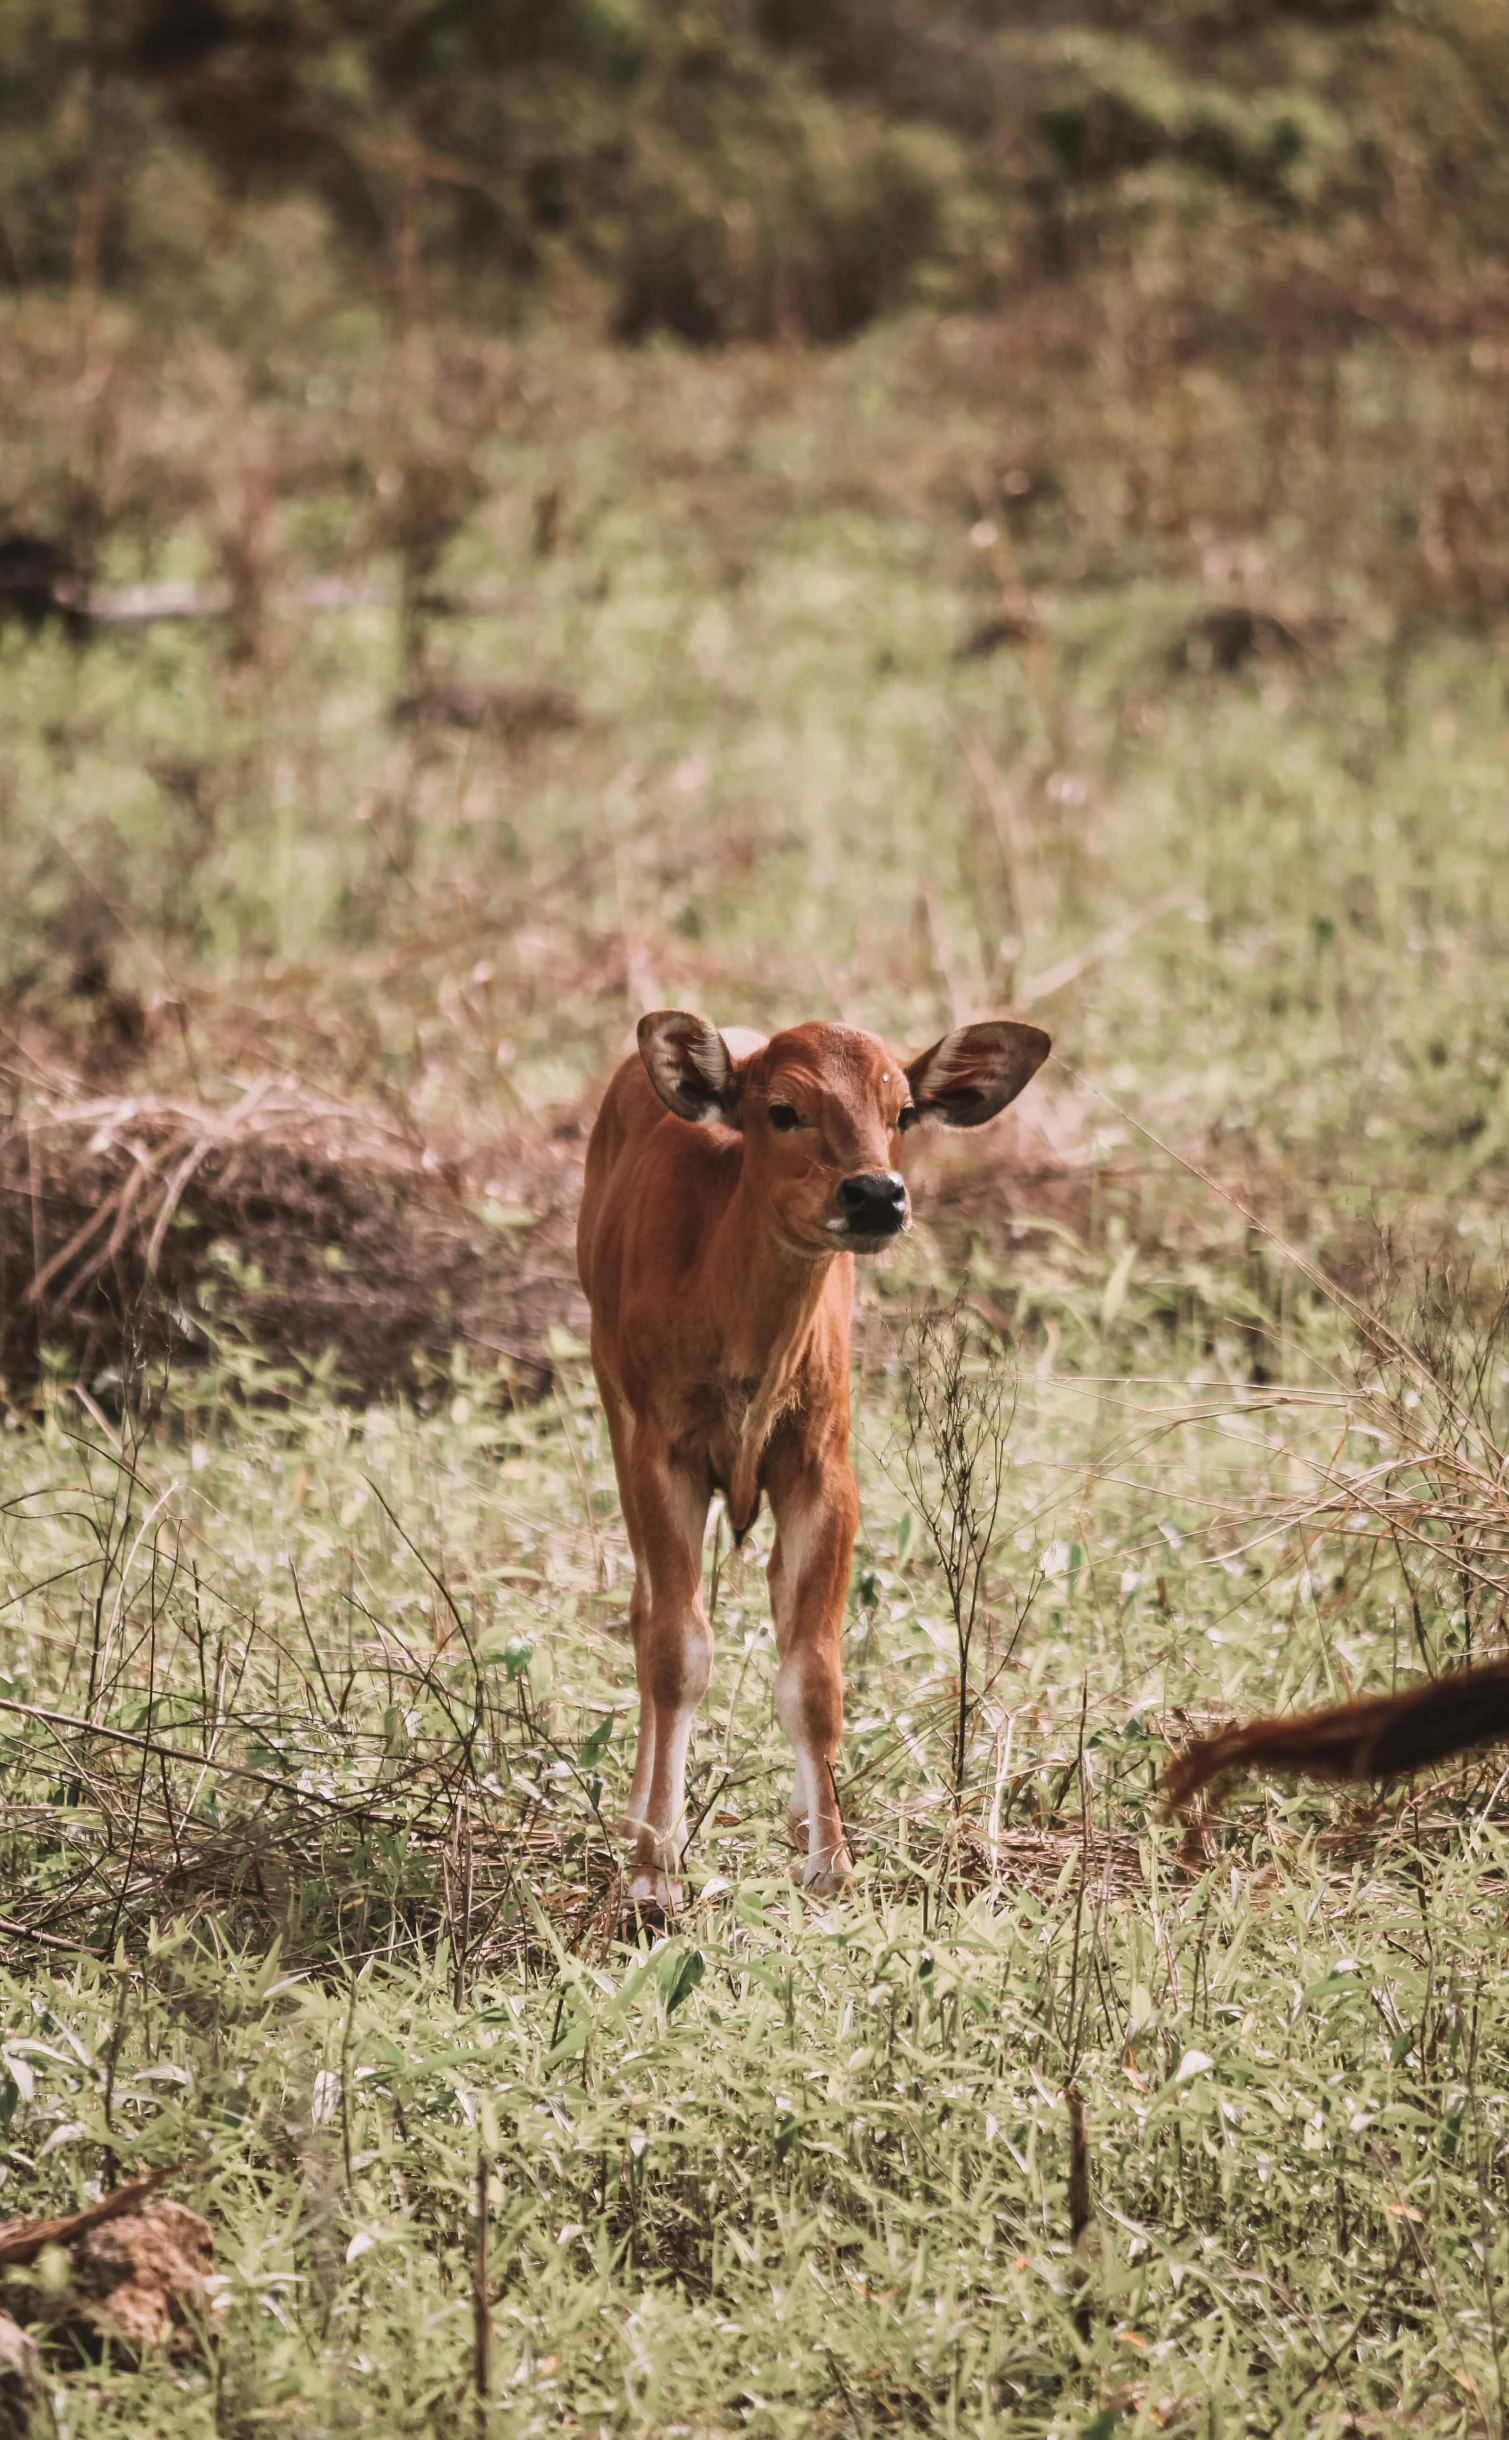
(909, 1117)
(783, 1118)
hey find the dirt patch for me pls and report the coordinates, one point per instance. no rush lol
(307, 1227)
(145, 2278)
(134, 2268)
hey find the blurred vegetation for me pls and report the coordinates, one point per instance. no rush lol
(753, 167)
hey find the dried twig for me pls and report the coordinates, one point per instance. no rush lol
(959, 1407)
(482, 2327)
(1105, 944)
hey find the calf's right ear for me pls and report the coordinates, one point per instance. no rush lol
(688, 1063)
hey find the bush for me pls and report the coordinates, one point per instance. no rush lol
(728, 173)
(1109, 105)
(812, 223)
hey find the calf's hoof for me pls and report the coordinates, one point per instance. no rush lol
(827, 1876)
(651, 1900)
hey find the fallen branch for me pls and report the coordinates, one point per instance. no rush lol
(47, 1940)
(23, 2240)
(1105, 944)
(145, 604)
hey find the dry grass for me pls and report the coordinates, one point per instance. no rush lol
(314, 1229)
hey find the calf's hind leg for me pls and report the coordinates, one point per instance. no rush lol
(673, 1659)
(621, 1434)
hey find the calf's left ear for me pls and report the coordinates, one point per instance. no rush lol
(976, 1070)
(689, 1064)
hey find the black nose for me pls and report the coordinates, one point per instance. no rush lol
(873, 1203)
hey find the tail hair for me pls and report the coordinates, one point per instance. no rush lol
(1377, 1739)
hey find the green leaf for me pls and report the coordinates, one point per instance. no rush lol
(595, 1746)
(690, 1968)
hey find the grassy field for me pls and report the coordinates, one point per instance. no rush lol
(314, 1709)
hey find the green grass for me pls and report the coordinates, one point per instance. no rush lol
(791, 2162)
(790, 2170)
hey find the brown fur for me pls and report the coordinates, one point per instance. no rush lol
(1377, 1739)
(715, 1251)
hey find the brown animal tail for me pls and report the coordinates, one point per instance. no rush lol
(1371, 1740)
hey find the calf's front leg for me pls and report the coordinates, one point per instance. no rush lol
(816, 1509)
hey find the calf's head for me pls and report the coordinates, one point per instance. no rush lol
(822, 1110)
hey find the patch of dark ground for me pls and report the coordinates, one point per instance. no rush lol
(134, 1225)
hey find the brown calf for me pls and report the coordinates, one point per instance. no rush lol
(730, 1183)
